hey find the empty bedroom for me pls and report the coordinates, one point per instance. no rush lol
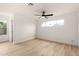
(39, 29)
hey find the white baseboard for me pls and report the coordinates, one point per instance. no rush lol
(23, 40)
(45, 38)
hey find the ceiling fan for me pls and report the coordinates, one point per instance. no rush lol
(45, 15)
(30, 4)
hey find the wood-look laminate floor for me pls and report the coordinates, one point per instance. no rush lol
(38, 47)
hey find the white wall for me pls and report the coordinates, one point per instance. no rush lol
(78, 28)
(24, 27)
(66, 34)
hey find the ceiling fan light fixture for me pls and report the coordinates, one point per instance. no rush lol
(30, 4)
(42, 17)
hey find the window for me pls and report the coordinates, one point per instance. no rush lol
(50, 23)
(43, 24)
(3, 27)
(60, 22)
(53, 23)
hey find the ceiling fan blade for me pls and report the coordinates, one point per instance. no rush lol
(49, 15)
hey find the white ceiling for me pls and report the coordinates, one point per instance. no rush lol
(56, 8)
